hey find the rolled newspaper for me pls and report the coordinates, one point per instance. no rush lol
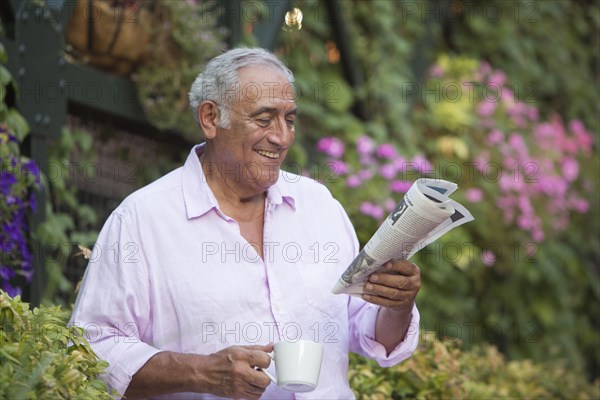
(424, 214)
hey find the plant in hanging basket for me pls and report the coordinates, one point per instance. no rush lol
(184, 37)
(112, 35)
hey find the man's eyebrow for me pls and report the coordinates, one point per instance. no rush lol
(272, 110)
(269, 110)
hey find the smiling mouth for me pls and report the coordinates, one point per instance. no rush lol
(268, 154)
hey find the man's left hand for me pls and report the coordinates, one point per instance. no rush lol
(395, 286)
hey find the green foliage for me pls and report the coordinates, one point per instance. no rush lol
(41, 357)
(544, 46)
(184, 38)
(442, 369)
(68, 222)
(19, 182)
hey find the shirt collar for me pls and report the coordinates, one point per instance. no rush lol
(199, 198)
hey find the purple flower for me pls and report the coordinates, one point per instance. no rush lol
(6, 273)
(11, 291)
(386, 151)
(364, 145)
(7, 180)
(331, 146)
(32, 168)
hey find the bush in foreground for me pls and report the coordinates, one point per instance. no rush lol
(41, 357)
(440, 369)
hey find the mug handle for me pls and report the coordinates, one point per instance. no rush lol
(271, 377)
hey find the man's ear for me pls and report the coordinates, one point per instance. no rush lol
(208, 117)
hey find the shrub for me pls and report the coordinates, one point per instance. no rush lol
(42, 357)
(442, 369)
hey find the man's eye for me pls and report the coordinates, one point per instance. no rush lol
(264, 121)
(290, 122)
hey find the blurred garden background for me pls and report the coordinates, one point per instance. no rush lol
(501, 97)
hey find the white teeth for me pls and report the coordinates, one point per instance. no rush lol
(268, 154)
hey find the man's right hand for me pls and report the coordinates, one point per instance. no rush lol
(231, 373)
(227, 373)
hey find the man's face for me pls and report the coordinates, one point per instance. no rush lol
(250, 152)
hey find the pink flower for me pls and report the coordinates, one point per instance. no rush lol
(474, 195)
(583, 139)
(485, 68)
(421, 163)
(338, 167)
(436, 71)
(386, 151)
(353, 181)
(400, 186)
(538, 235)
(364, 145)
(486, 108)
(498, 78)
(377, 212)
(387, 171)
(570, 169)
(516, 142)
(399, 164)
(488, 258)
(331, 146)
(366, 159)
(532, 113)
(366, 207)
(495, 137)
(371, 210)
(389, 205)
(580, 205)
(365, 174)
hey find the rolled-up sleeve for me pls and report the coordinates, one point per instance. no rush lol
(113, 305)
(363, 318)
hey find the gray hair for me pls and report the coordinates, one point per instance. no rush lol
(221, 76)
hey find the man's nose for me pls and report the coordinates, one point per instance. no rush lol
(282, 133)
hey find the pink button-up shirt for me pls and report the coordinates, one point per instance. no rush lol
(170, 271)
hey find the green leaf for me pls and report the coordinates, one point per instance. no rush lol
(17, 125)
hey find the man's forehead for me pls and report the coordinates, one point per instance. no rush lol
(263, 85)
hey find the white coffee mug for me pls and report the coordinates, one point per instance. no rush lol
(297, 365)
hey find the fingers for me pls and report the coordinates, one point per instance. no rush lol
(402, 275)
(394, 286)
(258, 356)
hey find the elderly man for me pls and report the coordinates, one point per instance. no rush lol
(194, 276)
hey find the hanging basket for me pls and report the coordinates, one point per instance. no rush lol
(112, 35)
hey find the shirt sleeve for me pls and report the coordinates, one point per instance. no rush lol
(113, 305)
(362, 318)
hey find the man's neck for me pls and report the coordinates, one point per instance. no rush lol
(233, 200)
